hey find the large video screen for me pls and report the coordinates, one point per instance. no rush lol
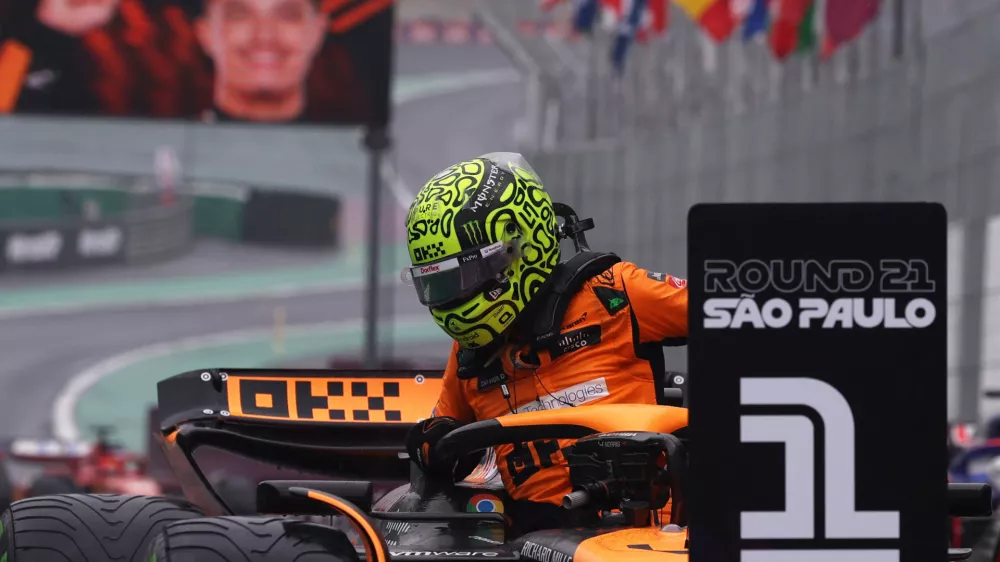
(265, 61)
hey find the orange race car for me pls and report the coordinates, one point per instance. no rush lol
(628, 462)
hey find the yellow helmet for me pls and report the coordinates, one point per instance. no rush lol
(482, 241)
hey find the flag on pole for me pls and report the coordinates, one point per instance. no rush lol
(611, 14)
(756, 21)
(645, 29)
(659, 11)
(845, 19)
(740, 9)
(654, 20)
(714, 16)
(586, 15)
(808, 29)
(784, 31)
(823, 45)
(626, 34)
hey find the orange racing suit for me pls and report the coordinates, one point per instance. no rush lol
(600, 357)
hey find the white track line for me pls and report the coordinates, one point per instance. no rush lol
(64, 409)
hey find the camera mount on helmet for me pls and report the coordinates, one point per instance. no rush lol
(572, 227)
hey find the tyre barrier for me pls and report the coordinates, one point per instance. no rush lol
(291, 219)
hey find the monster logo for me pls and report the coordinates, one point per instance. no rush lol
(474, 232)
(489, 190)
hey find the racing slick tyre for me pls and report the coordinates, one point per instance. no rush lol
(86, 527)
(250, 539)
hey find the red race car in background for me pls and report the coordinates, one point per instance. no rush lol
(35, 467)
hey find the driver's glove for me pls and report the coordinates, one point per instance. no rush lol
(421, 439)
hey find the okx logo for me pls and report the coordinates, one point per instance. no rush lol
(429, 252)
(806, 495)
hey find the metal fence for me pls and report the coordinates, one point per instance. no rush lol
(910, 111)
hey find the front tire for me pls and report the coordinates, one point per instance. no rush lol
(250, 539)
(87, 527)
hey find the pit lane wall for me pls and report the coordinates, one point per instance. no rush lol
(56, 220)
(906, 112)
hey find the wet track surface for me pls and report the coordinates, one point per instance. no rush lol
(38, 354)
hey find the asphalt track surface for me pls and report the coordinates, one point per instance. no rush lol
(38, 354)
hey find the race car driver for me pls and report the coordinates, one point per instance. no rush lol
(485, 250)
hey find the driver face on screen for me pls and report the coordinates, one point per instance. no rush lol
(262, 51)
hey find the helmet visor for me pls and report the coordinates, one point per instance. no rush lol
(512, 160)
(460, 276)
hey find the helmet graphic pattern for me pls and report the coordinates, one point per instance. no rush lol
(478, 202)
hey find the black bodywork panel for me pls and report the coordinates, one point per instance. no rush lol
(468, 540)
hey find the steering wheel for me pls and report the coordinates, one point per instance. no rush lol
(564, 423)
(657, 422)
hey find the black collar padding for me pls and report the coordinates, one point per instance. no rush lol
(566, 280)
(538, 324)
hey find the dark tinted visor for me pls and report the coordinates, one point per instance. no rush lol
(461, 276)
